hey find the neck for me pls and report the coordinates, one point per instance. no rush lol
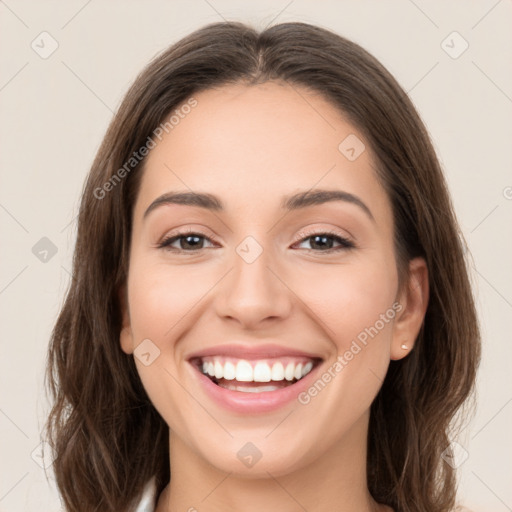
(335, 481)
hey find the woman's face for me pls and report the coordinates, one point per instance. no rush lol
(255, 287)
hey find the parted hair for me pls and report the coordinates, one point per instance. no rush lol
(108, 439)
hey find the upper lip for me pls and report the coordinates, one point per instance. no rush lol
(252, 351)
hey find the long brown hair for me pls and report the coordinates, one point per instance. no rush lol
(107, 437)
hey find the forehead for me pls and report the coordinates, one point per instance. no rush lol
(255, 144)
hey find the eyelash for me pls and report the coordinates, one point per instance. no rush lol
(344, 242)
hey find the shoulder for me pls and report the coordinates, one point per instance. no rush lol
(147, 502)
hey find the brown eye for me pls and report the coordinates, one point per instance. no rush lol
(187, 242)
(324, 242)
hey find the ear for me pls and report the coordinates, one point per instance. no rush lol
(125, 336)
(414, 302)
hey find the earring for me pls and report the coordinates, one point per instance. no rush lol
(404, 346)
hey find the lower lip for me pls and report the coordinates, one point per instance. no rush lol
(266, 401)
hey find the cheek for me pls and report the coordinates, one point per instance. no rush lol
(356, 307)
(350, 299)
(164, 302)
(161, 295)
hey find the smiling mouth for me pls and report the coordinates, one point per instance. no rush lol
(255, 376)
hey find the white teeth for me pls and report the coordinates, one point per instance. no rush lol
(289, 372)
(229, 371)
(242, 370)
(278, 371)
(262, 373)
(247, 389)
(307, 368)
(219, 370)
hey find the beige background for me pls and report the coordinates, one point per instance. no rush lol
(55, 112)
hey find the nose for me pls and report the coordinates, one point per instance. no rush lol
(253, 293)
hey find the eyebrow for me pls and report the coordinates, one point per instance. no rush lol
(289, 203)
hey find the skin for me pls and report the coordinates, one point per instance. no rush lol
(250, 146)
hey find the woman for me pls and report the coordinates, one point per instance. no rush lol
(270, 306)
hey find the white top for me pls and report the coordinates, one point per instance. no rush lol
(148, 500)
